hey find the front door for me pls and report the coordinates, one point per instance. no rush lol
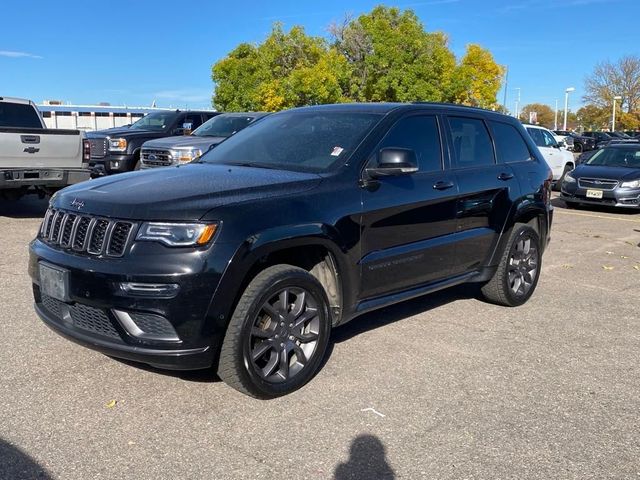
(408, 221)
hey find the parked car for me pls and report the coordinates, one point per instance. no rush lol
(245, 259)
(633, 133)
(117, 150)
(164, 152)
(559, 159)
(620, 135)
(614, 141)
(580, 143)
(610, 177)
(33, 158)
(563, 138)
(599, 137)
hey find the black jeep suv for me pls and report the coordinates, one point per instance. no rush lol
(245, 259)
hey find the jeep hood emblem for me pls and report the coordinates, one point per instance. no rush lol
(78, 204)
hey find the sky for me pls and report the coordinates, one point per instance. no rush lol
(135, 52)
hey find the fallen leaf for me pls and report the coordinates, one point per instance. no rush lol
(623, 256)
(111, 404)
(567, 265)
(607, 267)
(609, 253)
(637, 267)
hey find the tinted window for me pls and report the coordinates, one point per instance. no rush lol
(419, 133)
(541, 138)
(471, 142)
(159, 121)
(18, 115)
(510, 146)
(195, 120)
(223, 126)
(311, 141)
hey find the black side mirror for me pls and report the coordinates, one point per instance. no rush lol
(394, 162)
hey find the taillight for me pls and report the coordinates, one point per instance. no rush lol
(86, 151)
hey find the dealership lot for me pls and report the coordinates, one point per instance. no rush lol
(440, 387)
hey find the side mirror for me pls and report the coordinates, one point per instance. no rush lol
(394, 162)
(561, 144)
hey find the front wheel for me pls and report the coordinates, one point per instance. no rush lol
(278, 335)
(519, 270)
(577, 148)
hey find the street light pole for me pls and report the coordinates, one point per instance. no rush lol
(555, 117)
(566, 105)
(517, 104)
(613, 117)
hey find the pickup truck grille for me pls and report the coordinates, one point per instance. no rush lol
(156, 157)
(98, 147)
(599, 183)
(86, 233)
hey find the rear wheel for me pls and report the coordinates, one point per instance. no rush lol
(517, 275)
(577, 147)
(278, 335)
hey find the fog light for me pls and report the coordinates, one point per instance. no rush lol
(147, 326)
(115, 164)
(151, 290)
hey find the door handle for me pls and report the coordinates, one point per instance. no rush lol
(505, 176)
(442, 185)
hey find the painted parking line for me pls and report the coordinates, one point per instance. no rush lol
(593, 215)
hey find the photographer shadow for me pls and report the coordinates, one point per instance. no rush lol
(367, 461)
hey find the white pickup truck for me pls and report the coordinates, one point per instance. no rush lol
(35, 159)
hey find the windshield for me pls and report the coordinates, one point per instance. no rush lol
(616, 157)
(158, 121)
(314, 141)
(222, 126)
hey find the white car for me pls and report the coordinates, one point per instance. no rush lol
(560, 160)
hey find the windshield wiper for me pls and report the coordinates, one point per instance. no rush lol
(251, 165)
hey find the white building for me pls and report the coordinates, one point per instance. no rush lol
(91, 117)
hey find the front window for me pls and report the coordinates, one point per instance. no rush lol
(157, 121)
(616, 157)
(312, 141)
(222, 126)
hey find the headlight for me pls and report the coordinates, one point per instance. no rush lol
(178, 234)
(117, 144)
(632, 184)
(568, 178)
(186, 155)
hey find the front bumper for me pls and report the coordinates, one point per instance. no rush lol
(90, 317)
(113, 163)
(618, 197)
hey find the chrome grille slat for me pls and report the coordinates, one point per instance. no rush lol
(599, 183)
(86, 234)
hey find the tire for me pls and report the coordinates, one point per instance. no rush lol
(577, 147)
(501, 288)
(264, 353)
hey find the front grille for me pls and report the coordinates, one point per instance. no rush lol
(156, 158)
(82, 316)
(98, 147)
(599, 183)
(86, 234)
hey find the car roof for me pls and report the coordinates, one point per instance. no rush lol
(244, 114)
(627, 144)
(387, 107)
(531, 125)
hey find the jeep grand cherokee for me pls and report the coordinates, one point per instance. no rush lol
(246, 259)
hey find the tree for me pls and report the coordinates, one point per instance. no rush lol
(385, 55)
(593, 117)
(286, 70)
(392, 58)
(477, 79)
(544, 113)
(611, 79)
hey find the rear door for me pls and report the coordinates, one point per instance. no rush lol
(486, 190)
(409, 222)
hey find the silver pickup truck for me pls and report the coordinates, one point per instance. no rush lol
(35, 159)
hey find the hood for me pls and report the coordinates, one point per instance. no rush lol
(203, 143)
(180, 193)
(613, 173)
(125, 132)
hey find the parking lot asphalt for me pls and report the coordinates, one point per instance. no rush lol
(442, 387)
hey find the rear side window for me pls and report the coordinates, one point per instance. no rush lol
(420, 134)
(18, 115)
(471, 142)
(510, 146)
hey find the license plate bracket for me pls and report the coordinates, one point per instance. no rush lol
(594, 194)
(54, 281)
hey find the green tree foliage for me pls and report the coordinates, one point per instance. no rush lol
(385, 55)
(546, 115)
(593, 117)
